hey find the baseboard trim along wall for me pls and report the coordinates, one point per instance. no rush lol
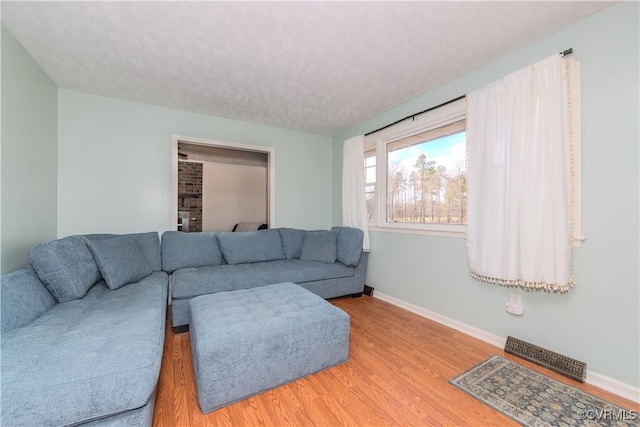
(602, 381)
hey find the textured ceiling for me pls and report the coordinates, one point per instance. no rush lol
(318, 67)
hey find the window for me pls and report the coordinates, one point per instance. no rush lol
(370, 181)
(420, 182)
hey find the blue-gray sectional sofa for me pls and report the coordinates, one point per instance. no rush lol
(82, 330)
(329, 263)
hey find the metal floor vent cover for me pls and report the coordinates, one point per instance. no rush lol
(541, 356)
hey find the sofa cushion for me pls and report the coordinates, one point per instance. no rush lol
(120, 260)
(292, 240)
(183, 250)
(251, 246)
(66, 267)
(149, 243)
(349, 245)
(190, 282)
(320, 246)
(86, 359)
(24, 298)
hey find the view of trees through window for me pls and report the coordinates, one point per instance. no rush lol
(426, 180)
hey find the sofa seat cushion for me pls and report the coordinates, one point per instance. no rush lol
(191, 282)
(87, 358)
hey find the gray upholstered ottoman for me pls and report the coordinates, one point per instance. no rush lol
(247, 341)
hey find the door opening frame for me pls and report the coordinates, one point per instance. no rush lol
(269, 151)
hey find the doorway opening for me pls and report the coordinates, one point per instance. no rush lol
(222, 186)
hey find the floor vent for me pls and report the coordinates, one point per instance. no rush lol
(559, 363)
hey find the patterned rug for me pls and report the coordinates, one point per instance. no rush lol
(533, 399)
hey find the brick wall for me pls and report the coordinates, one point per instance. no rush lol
(190, 192)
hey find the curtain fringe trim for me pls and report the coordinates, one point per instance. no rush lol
(527, 286)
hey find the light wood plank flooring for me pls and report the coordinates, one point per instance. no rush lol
(397, 374)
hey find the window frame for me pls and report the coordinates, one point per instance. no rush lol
(454, 111)
(378, 141)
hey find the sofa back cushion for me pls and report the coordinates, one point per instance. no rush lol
(24, 299)
(120, 260)
(184, 250)
(349, 245)
(320, 246)
(251, 246)
(292, 240)
(149, 244)
(66, 267)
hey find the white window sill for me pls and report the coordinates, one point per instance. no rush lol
(455, 231)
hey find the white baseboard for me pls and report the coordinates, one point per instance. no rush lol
(614, 386)
(602, 381)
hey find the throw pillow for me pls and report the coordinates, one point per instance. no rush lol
(349, 245)
(251, 246)
(292, 240)
(320, 246)
(120, 260)
(149, 245)
(66, 267)
(189, 250)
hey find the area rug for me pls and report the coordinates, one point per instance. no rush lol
(533, 399)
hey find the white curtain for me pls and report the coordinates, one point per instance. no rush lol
(354, 204)
(519, 179)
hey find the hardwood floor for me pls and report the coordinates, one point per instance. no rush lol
(397, 374)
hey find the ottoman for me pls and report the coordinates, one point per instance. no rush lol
(247, 341)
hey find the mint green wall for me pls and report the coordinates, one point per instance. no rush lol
(114, 165)
(28, 155)
(597, 322)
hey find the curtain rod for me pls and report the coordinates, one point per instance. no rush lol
(563, 53)
(416, 114)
